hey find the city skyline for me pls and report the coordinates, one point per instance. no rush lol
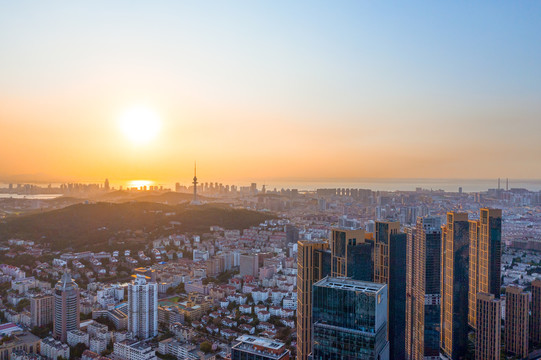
(260, 91)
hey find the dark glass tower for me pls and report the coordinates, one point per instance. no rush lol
(390, 268)
(352, 254)
(349, 320)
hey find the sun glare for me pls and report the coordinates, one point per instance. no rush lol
(140, 124)
(139, 183)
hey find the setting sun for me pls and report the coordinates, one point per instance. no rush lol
(140, 124)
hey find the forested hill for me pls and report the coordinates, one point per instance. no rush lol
(89, 226)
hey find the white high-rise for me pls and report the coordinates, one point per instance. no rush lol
(143, 307)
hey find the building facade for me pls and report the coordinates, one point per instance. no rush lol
(143, 307)
(349, 320)
(352, 255)
(42, 310)
(454, 286)
(535, 323)
(390, 248)
(66, 307)
(249, 265)
(517, 313)
(488, 335)
(423, 315)
(485, 258)
(313, 263)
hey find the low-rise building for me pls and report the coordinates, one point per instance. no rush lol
(53, 349)
(132, 350)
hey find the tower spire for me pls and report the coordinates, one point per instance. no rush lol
(195, 200)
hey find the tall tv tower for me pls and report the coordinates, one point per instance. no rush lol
(195, 200)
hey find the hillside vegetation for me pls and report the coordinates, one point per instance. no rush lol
(90, 226)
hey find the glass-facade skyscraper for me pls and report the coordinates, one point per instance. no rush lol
(423, 316)
(454, 286)
(313, 264)
(485, 258)
(352, 254)
(390, 268)
(349, 320)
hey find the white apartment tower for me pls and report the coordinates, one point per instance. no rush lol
(143, 307)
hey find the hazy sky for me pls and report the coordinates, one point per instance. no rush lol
(272, 89)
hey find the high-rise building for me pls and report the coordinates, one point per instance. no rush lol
(517, 313)
(66, 307)
(390, 268)
(488, 334)
(352, 254)
(143, 307)
(250, 347)
(106, 185)
(423, 315)
(313, 264)
(454, 286)
(485, 258)
(249, 265)
(42, 310)
(535, 324)
(410, 244)
(349, 320)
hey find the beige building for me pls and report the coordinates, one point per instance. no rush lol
(309, 270)
(26, 342)
(488, 336)
(485, 258)
(517, 314)
(453, 287)
(41, 310)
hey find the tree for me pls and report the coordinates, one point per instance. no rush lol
(77, 350)
(205, 347)
(22, 304)
(42, 331)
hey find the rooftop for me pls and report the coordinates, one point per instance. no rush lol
(350, 284)
(262, 342)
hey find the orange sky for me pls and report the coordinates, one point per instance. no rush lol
(347, 92)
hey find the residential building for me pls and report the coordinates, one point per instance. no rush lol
(143, 307)
(517, 313)
(485, 258)
(488, 334)
(27, 342)
(53, 349)
(133, 350)
(454, 286)
(313, 263)
(41, 310)
(423, 316)
(249, 265)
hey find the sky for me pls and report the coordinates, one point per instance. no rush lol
(258, 90)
